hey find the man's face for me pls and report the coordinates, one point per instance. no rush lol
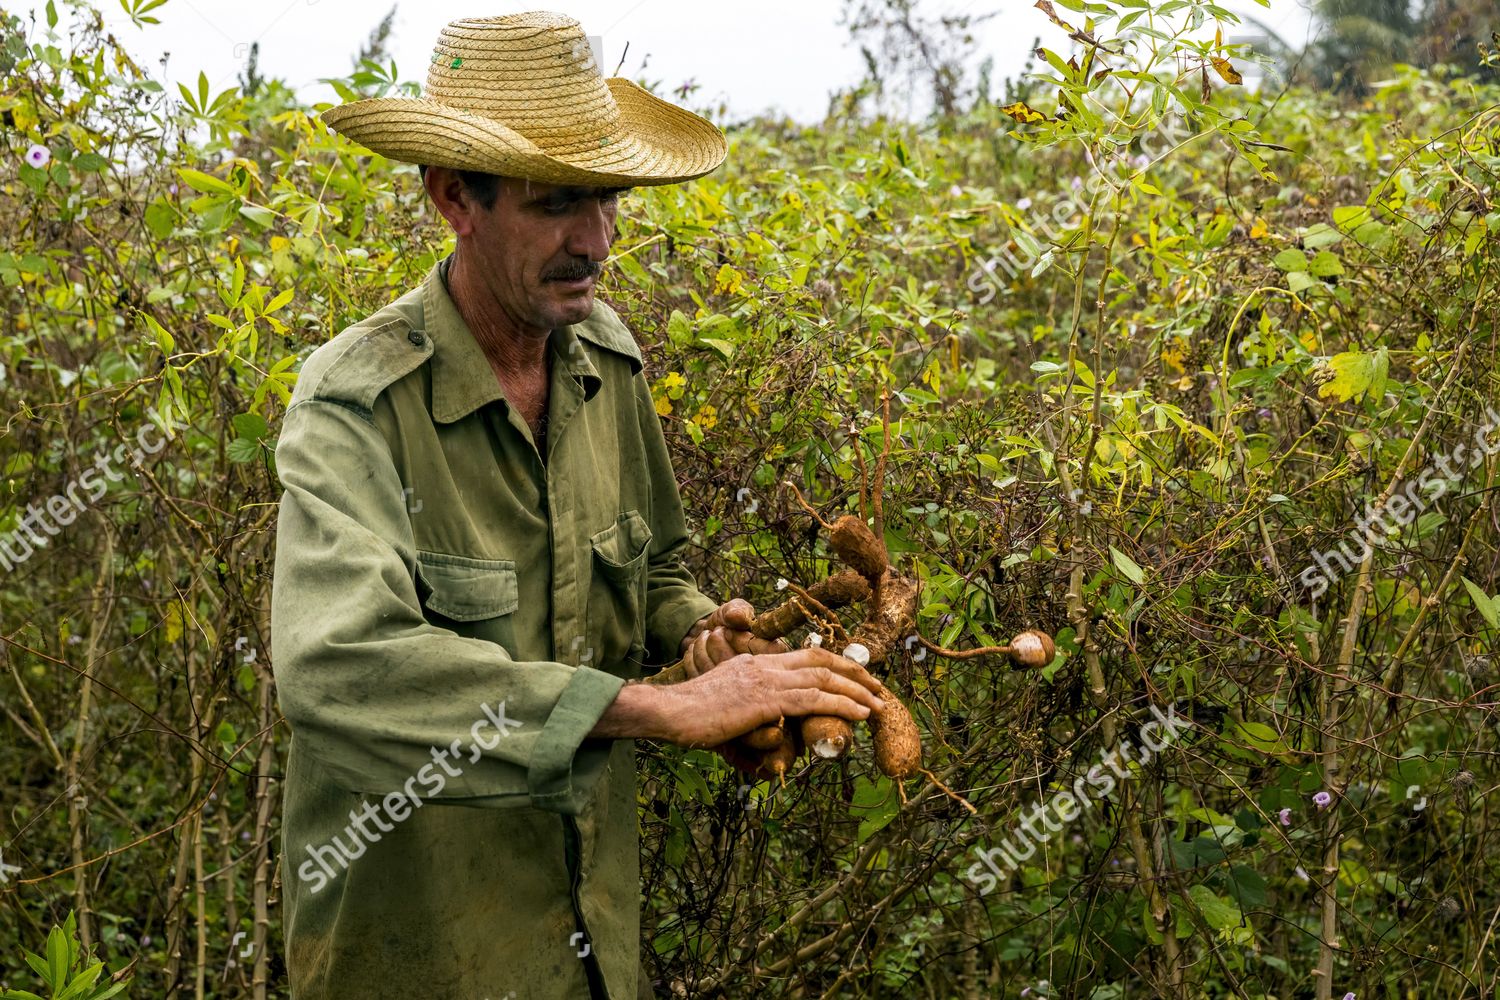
(540, 248)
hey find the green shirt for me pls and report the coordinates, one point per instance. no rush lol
(450, 616)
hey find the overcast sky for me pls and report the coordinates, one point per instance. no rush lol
(770, 54)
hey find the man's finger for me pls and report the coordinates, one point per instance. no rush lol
(834, 683)
(815, 701)
(696, 656)
(816, 656)
(718, 646)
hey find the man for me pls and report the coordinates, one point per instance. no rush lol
(479, 547)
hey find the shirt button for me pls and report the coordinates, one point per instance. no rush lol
(416, 338)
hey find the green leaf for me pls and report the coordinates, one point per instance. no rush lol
(1127, 565)
(1488, 607)
(1326, 265)
(281, 299)
(207, 183)
(262, 217)
(1220, 913)
(679, 329)
(1261, 737)
(1357, 374)
(57, 959)
(1291, 260)
(160, 219)
(1320, 236)
(249, 425)
(242, 450)
(875, 804)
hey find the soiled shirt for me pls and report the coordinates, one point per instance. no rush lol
(450, 617)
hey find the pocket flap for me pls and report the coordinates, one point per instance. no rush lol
(624, 544)
(466, 589)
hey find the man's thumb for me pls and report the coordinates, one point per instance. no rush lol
(738, 613)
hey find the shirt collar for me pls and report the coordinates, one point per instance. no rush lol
(462, 379)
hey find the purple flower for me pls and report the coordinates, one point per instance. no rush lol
(38, 156)
(1024, 204)
(1349, 995)
(1077, 182)
(1286, 817)
(1322, 799)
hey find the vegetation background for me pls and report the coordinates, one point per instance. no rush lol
(1136, 384)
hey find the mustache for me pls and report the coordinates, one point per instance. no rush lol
(574, 270)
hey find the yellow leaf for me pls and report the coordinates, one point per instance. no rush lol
(25, 119)
(172, 624)
(728, 280)
(1023, 113)
(1226, 69)
(663, 406)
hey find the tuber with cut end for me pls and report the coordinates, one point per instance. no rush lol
(1032, 649)
(828, 736)
(898, 743)
(856, 544)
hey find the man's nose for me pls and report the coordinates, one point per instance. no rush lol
(593, 230)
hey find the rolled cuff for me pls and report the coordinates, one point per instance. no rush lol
(565, 764)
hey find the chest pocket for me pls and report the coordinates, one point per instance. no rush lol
(476, 598)
(617, 593)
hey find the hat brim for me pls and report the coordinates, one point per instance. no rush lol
(657, 141)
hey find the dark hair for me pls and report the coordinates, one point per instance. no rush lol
(483, 187)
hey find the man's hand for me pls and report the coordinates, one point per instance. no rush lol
(750, 690)
(744, 692)
(723, 635)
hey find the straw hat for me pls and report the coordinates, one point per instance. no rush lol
(522, 96)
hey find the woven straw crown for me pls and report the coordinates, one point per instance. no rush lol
(522, 96)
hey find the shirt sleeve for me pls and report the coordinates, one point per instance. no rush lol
(673, 602)
(373, 691)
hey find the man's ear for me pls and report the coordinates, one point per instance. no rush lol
(450, 196)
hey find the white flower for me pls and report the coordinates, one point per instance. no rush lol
(38, 156)
(782, 583)
(955, 190)
(1024, 204)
